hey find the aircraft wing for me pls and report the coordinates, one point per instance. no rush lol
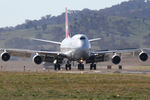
(116, 55)
(96, 39)
(48, 41)
(45, 55)
(115, 51)
(28, 53)
(121, 51)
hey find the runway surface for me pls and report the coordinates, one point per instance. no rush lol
(28, 66)
(106, 71)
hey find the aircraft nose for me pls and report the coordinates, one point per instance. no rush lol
(82, 43)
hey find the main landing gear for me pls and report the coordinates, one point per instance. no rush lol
(93, 66)
(68, 66)
(57, 66)
(80, 66)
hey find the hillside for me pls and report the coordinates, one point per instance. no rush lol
(133, 9)
(121, 26)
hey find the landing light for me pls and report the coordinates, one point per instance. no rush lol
(81, 61)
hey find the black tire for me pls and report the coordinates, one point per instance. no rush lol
(58, 66)
(79, 67)
(94, 66)
(82, 67)
(69, 66)
(66, 67)
(55, 67)
(91, 66)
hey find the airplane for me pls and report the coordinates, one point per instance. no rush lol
(76, 48)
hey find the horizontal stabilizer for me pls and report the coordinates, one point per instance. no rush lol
(48, 41)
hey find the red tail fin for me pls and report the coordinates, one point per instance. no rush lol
(67, 28)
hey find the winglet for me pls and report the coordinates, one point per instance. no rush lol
(67, 28)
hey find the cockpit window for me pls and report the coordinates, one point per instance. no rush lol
(82, 38)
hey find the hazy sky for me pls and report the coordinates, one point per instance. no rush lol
(13, 12)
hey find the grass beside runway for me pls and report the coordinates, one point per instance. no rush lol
(52, 86)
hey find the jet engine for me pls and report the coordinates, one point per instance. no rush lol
(37, 59)
(143, 56)
(5, 56)
(116, 59)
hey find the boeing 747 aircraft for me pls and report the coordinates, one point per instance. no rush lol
(75, 48)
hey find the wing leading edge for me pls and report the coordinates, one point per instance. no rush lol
(96, 39)
(116, 55)
(29, 53)
(48, 41)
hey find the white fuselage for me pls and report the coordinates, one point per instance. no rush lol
(76, 47)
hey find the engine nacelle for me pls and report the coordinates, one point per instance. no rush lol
(143, 56)
(5, 56)
(37, 59)
(116, 59)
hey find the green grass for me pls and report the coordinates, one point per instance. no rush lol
(52, 86)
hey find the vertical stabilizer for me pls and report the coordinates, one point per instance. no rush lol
(67, 28)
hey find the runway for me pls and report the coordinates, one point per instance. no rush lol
(28, 66)
(105, 72)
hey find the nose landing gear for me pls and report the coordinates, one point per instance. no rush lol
(80, 66)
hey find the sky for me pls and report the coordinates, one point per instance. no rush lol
(14, 12)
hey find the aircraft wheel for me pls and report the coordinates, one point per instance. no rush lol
(68, 66)
(94, 66)
(91, 66)
(57, 67)
(80, 66)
